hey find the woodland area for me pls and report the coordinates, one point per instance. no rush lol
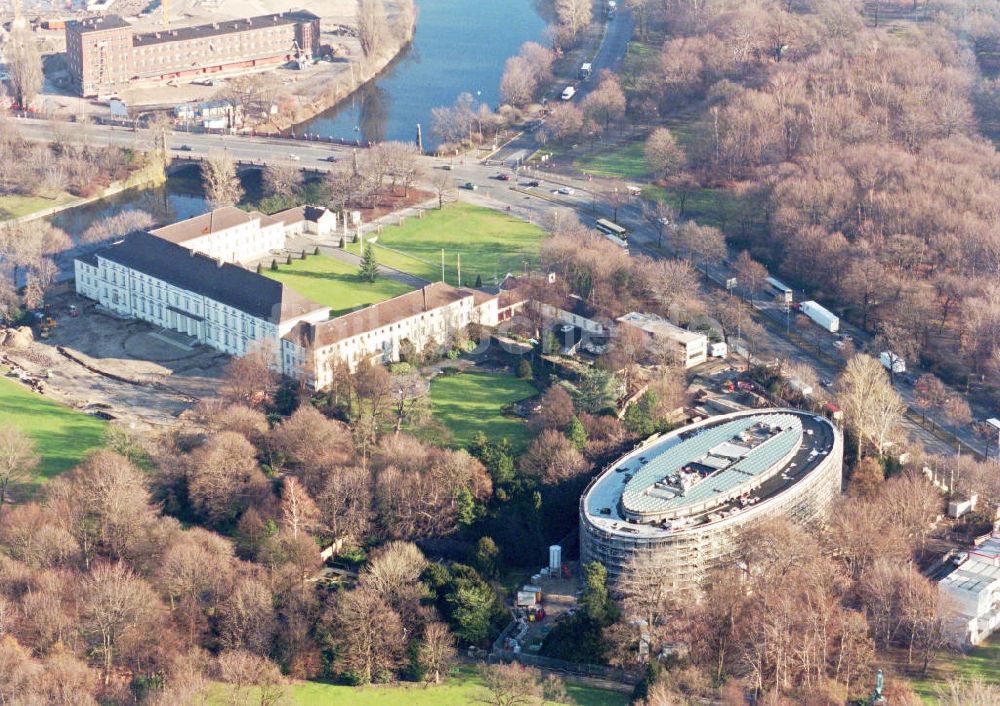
(854, 150)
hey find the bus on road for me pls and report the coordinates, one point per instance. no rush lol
(615, 232)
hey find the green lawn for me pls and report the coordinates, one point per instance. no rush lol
(460, 691)
(17, 206)
(616, 162)
(491, 244)
(334, 283)
(469, 402)
(62, 435)
(981, 663)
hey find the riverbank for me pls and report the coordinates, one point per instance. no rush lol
(320, 91)
(152, 175)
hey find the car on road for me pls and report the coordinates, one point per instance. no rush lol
(503, 177)
(566, 191)
(184, 148)
(470, 186)
(533, 183)
(447, 167)
(330, 158)
(294, 157)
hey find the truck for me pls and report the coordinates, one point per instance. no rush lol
(820, 315)
(585, 71)
(780, 289)
(892, 362)
(568, 93)
(719, 349)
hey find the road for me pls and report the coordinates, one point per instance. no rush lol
(609, 56)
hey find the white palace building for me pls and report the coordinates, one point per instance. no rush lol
(190, 277)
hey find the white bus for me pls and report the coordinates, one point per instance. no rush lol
(614, 232)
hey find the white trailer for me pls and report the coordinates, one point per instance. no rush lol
(821, 316)
(718, 349)
(892, 362)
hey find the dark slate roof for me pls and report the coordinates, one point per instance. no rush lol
(97, 24)
(224, 282)
(222, 27)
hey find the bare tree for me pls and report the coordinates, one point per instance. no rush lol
(18, 458)
(249, 379)
(519, 82)
(872, 407)
(282, 180)
(751, 273)
(443, 187)
(222, 185)
(252, 680)
(369, 633)
(510, 685)
(373, 27)
(298, 509)
(664, 156)
(552, 458)
(115, 603)
(252, 97)
(437, 650)
(25, 65)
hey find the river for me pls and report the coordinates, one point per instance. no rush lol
(460, 46)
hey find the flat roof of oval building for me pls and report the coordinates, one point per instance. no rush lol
(716, 466)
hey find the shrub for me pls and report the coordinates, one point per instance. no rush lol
(288, 260)
(259, 268)
(316, 250)
(524, 369)
(274, 265)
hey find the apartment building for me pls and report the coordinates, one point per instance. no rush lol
(105, 54)
(682, 502)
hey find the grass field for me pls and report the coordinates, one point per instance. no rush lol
(490, 243)
(463, 690)
(62, 435)
(469, 402)
(617, 162)
(981, 663)
(334, 283)
(17, 206)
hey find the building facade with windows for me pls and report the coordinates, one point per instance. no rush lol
(187, 277)
(972, 594)
(421, 319)
(686, 348)
(104, 54)
(680, 503)
(218, 303)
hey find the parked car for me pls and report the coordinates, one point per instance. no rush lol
(826, 382)
(838, 344)
(470, 186)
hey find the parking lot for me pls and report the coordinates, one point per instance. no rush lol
(125, 370)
